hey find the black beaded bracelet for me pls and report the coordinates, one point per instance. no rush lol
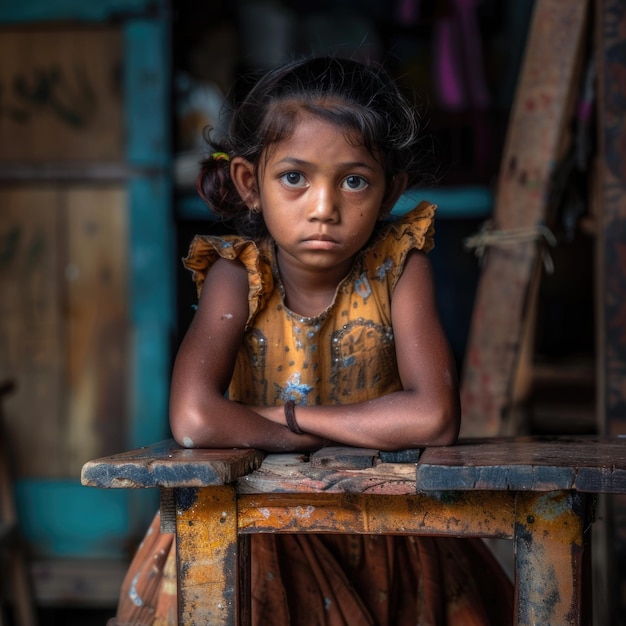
(290, 416)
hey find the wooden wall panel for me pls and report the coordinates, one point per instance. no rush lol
(85, 114)
(64, 324)
(31, 327)
(60, 94)
(96, 274)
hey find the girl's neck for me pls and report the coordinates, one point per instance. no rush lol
(309, 292)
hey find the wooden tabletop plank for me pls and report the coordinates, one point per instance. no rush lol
(294, 473)
(344, 457)
(165, 464)
(589, 464)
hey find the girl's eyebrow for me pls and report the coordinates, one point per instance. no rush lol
(296, 162)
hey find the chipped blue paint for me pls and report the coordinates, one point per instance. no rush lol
(551, 507)
(154, 475)
(531, 612)
(152, 299)
(146, 89)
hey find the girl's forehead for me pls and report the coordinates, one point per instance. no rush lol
(282, 118)
(308, 129)
(317, 143)
(311, 124)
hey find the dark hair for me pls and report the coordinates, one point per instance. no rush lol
(358, 97)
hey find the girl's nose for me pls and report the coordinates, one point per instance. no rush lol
(323, 206)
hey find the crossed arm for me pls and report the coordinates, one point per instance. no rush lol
(425, 412)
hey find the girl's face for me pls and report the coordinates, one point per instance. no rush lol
(320, 194)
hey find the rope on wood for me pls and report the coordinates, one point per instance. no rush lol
(488, 236)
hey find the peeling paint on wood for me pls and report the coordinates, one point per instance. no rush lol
(287, 494)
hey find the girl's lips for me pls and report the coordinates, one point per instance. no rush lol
(321, 242)
(320, 237)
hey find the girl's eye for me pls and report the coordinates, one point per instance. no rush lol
(293, 179)
(354, 183)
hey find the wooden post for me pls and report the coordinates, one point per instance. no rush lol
(611, 272)
(208, 546)
(549, 570)
(541, 110)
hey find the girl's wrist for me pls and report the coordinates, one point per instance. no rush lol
(290, 417)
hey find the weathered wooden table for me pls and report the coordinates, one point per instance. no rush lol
(539, 492)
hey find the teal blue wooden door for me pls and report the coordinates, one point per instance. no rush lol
(59, 517)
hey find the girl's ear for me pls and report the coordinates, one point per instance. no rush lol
(396, 187)
(244, 179)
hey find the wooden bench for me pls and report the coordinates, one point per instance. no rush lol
(539, 492)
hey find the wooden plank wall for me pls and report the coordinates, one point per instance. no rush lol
(87, 321)
(30, 326)
(60, 94)
(97, 319)
(64, 323)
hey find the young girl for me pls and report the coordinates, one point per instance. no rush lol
(317, 325)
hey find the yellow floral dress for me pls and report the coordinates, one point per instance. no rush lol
(345, 354)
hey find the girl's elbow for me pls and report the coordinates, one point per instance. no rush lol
(183, 436)
(448, 437)
(183, 440)
(190, 431)
(448, 426)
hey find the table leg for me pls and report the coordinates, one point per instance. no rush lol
(549, 551)
(211, 560)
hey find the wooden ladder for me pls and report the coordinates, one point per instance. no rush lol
(11, 546)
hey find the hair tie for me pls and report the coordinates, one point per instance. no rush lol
(220, 156)
(290, 417)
